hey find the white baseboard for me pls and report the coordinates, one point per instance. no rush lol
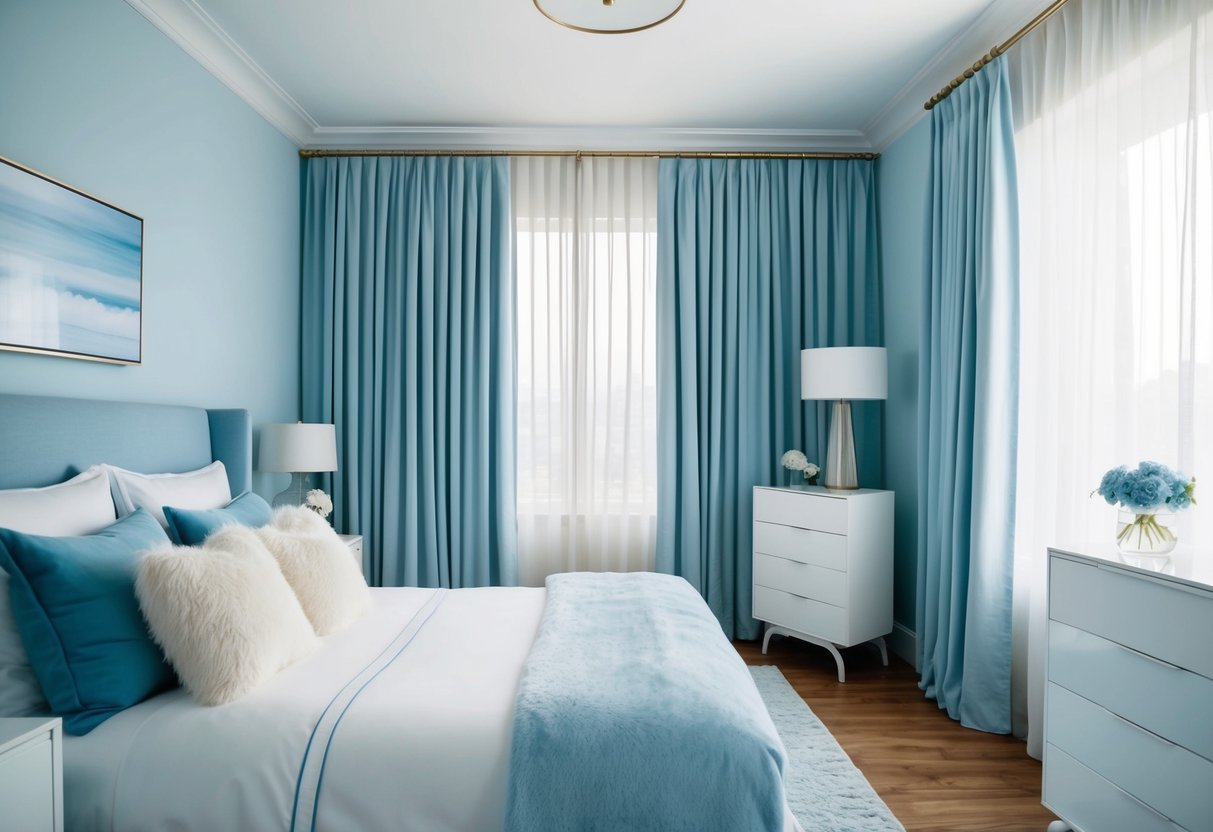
(904, 642)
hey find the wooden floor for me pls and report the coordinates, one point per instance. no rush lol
(932, 773)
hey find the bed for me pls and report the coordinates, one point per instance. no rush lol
(470, 709)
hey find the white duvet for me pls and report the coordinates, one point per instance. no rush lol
(400, 723)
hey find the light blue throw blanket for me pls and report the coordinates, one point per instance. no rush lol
(635, 713)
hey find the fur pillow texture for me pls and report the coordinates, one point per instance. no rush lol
(223, 614)
(319, 567)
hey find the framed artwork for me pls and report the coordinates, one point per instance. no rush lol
(71, 271)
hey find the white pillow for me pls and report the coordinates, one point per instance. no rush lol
(81, 505)
(319, 567)
(223, 614)
(205, 488)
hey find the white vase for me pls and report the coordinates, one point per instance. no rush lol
(1148, 533)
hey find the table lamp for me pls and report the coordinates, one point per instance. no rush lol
(843, 374)
(298, 449)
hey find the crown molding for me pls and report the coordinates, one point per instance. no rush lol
(994, 25)
(195, 31)
(586, 138)
(189, 26)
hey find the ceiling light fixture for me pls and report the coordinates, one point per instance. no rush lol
(609, 17)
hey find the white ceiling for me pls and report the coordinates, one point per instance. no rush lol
(741, 74)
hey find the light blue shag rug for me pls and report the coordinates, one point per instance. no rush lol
(825, 791)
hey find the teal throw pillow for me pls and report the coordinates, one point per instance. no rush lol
(75, 607)
(190, 527)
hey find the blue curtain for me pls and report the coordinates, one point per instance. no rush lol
(757, 259)
(408, 349)
(968, 383)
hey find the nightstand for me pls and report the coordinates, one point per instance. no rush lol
(31, 773)
(354, 541)
(823, 566)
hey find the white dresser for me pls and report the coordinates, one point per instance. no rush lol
(31, 774)
(823, 566)
(1129, 695)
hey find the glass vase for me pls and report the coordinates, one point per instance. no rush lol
(1150, 533)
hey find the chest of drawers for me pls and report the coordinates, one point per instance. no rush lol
(1128, 733)
(823, 566)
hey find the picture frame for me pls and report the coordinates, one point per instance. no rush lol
(71, 271)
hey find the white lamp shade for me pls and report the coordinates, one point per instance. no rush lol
(844, 373)
(298, 448)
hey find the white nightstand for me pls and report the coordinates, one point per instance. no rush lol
(31, 773)
(354, 541)
(823, 566)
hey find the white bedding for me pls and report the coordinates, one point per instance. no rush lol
(422, 742)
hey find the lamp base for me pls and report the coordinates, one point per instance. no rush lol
(840, 457)
(294, 493)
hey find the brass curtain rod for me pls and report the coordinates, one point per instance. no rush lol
(663, 154)
(993, 53)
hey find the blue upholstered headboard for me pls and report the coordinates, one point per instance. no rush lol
(45, 440)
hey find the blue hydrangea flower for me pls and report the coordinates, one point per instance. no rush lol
(1151, 468)
(1145, 492)
(1182, 491)
(1110, 483)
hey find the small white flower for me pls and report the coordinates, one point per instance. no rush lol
(811, 470)
(795, 461)
(319, 502)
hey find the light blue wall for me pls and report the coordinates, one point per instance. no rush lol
(902, 172)
(93, 95)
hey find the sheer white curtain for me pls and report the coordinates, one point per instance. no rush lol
(586, 255)
(1116, 258)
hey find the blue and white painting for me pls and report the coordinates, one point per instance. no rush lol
(71, 271)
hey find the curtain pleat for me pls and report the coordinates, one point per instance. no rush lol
(968, 388)
(408, 348)
(757, 259)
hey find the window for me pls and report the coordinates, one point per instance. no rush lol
(1116, 276)
(586, 258)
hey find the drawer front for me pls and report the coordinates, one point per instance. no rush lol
(27, 797)
(812, 547)
(810, 617)
(1172, 702)
(1171, 780)
(1168, 622)
(808, 511)
(801, 579)
(1090, 803)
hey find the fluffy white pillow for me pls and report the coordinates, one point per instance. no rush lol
(81, 505)
(204, 488)
(319, 567)
(223, 614)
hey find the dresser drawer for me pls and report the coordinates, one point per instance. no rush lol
(801, 579)
(803, 545)
(1092, 804)
(1172, 702)
(1171, 623)
(27, 796)
(810, 617)
(1170, 779)
(808, 511)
